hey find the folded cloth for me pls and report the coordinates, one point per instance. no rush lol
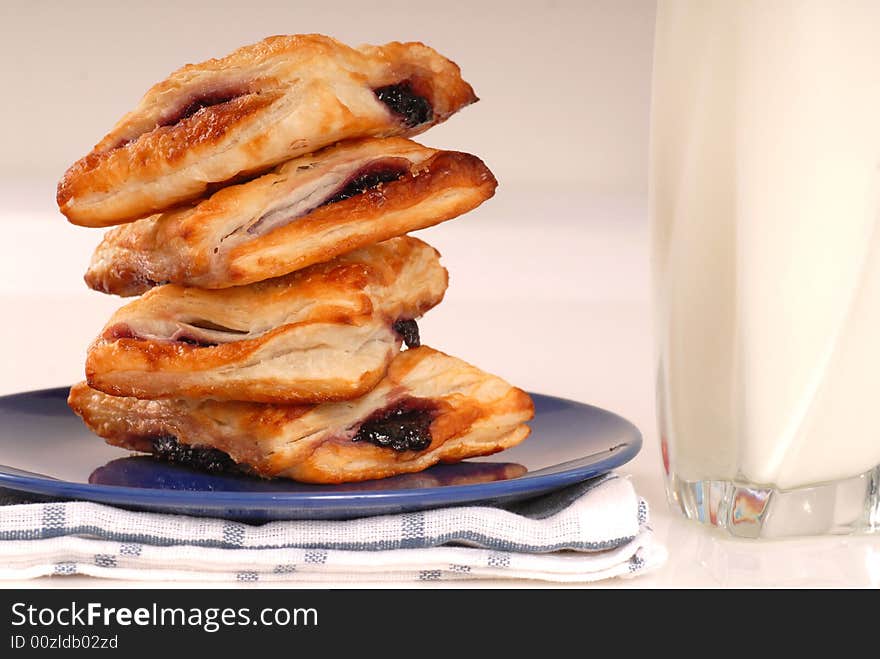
(589, 531)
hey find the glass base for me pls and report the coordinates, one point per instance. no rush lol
(745, 510)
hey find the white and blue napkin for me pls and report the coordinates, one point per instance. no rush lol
(590, 531)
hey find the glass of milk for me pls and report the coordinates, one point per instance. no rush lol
(765, 183)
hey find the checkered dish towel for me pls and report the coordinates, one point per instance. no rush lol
(589, 531)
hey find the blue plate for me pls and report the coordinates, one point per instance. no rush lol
(45, 449)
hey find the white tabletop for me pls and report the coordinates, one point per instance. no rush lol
(548, 289)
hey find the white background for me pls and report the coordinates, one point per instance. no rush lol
(564, 84)
(549, 280)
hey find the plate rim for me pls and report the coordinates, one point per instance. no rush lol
(620, 454)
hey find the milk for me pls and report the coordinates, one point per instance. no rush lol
(765, 191)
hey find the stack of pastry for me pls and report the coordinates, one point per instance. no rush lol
(263, 201)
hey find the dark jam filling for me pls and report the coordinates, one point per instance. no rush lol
(192, 341)
(402, 100)
(211, 460)
(198, 103)
(404, 426)
(218, 97)
(409, 332)
(366, 179)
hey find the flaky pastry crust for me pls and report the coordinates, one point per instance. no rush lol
(242, 114)
(302, 213)
(472, 414)
(324, 333)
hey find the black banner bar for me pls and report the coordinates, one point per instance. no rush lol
(397, 622)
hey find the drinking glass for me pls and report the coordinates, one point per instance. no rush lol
(765, 182)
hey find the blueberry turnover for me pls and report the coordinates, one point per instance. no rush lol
(240, 115)
(308, 210)
(428, 408)
(259, 205)
(327, 332)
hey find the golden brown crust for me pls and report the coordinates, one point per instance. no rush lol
(323, 333)
(476, 414)
(246, 112)
(210, 245)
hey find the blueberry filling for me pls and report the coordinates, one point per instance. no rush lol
(366, 179)
(166, 447)
(402, 100)
(404, 426)
(304, 201)
(193, 341)
(198, 103)
(409, 332)
(123, 331)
